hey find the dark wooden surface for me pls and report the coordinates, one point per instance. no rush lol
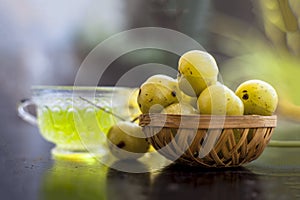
(28, 172)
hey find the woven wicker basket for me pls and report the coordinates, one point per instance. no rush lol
(207, 140)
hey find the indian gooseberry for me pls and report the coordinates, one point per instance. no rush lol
(197, 70)
(259, 97)
(179, 109)
(219, 100)
(167, 81)
(186, 99)
(157, 93)
(164, 80)
(126, 141)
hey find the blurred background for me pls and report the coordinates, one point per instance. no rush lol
(44, 43)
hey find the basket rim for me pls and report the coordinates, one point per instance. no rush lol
(206, 121)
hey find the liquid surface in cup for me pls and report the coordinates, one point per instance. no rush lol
(75, 125)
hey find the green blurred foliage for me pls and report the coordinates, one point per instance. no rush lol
(269, 52)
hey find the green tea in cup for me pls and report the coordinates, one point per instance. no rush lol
(76, 119)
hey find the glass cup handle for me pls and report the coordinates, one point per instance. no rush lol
(23, 112)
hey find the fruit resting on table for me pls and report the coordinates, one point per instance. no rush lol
(127, 141)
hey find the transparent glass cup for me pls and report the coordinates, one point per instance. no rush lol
(76, 119)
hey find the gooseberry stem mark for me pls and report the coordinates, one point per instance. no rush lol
(134, 119)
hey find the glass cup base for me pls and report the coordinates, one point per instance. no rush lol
(76, 155)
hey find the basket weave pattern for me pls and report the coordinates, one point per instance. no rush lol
(177, 137)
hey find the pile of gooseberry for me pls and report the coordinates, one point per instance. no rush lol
(196, 90)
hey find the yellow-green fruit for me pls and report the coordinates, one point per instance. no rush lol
(259, 97)
(193, 86)
(180, 109)
(186, 99)
(219, 100)
(164, 80)
(197, 70)
(126, 140)
(155, 95)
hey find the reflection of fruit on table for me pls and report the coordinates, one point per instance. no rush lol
(74, 180)
(117, 182)
(206, 183)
